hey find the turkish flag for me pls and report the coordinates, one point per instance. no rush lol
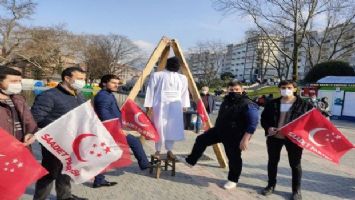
(114, 127)
(134, 118)
(201, 111)
(18, 167)
(81, 142)
(316, 133)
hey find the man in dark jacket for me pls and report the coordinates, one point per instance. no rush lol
(16, 117)
(208, 99)
(106, 108)
(209, 103)
(236, 122)
(49, 106)
(276, 114)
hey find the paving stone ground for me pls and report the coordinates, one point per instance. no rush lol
(321, 178)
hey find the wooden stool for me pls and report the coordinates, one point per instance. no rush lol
(156, 163)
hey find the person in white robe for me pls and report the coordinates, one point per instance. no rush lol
(167, 95)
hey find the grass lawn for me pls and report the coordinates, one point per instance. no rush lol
(264, 91)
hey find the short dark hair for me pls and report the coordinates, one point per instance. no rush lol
(69, 71)
(107, 78)
(235, 83)
(4, 71)
(287, 82)
(173, 64)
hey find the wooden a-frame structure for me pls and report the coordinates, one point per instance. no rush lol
(160, 56)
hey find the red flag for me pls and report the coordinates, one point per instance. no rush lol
(114, 127)
(18, 167)
(201, 111)
(316, 133)
(134, 118)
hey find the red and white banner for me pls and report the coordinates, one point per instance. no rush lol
(317, 134)
(18, 167)
(134, 118)
(81, 142)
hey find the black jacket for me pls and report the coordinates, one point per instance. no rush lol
(236, 117)
(271, 114)
(53, 103)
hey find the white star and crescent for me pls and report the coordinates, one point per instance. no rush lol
(136, 119)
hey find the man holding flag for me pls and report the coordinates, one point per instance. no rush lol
(16, 117)
(276, 114)
(48, 107)
(106, 108)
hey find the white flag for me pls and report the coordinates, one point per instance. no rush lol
(81, 142)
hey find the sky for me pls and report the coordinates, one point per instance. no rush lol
(143, 21)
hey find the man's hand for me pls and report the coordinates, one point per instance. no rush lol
(149, 112)
(29, 139)
(272, 131)
(245, 142)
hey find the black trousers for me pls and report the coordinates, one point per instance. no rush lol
(274, 146)
(231, 147)
(44, 185)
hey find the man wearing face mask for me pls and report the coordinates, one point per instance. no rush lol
(49, 106)
(16, 117)
(208, 99)
(276, 114)
(209, 103)
(236, 122)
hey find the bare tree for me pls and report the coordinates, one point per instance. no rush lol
(206, 59)
(290, 17)
(45, 51)
(334, 38)
(108, 54)
(10, 28)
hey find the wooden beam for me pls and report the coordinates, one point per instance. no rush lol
(196, 97)
(164, 58)
(164, 42)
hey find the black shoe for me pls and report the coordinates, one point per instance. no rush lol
(148, 166)
(105, 184)
(74, 197)
(296, 196)
(268, 190)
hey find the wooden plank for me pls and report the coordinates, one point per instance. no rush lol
(196, 96)
(164, 58)
(149, 67)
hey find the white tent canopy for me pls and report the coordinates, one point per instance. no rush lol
(337, 80)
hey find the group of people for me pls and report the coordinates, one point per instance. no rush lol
(22, 122)
(166, 98)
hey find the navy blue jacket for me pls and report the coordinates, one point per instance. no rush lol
(106, 106)
(53, 103)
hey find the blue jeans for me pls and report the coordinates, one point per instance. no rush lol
(138, 152)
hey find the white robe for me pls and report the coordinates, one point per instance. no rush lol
(167, 93)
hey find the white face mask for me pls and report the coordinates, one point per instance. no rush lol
(78, 84)
(13, 88)
(286, 92)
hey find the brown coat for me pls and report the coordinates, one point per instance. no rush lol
(29, 125)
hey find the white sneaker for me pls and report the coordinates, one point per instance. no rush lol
(230, 185)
